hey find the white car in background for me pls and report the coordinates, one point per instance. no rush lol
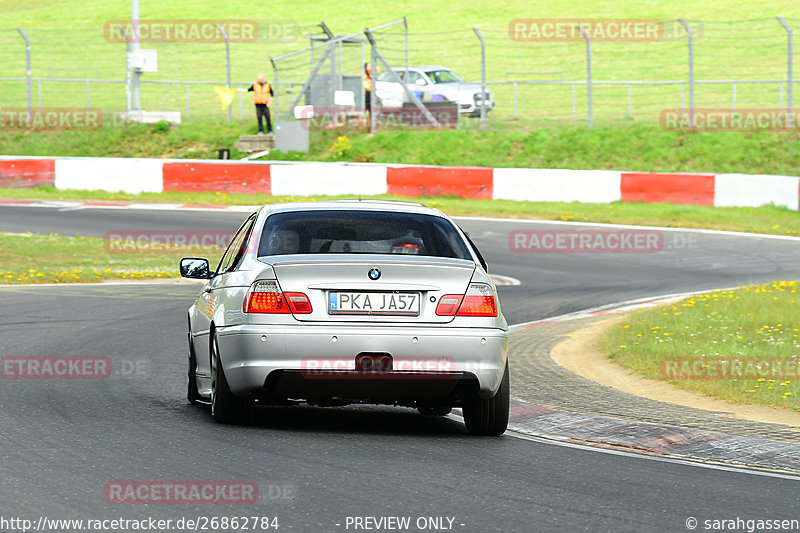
(430, 84)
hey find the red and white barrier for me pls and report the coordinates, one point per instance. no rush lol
(312, 179)
(558, 185)
(109, 173)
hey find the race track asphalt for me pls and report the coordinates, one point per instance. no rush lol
(63, 440)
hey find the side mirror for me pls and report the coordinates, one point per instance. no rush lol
(420, 81)
(195, 267)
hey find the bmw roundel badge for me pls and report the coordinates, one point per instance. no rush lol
(374, 273)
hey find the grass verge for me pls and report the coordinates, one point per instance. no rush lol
(768, 219)
(36, 258)
(741, 345)
(625, 145)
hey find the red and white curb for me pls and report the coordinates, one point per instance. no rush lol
(281, 178)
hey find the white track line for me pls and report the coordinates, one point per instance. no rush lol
(674, 460)
(633, 226)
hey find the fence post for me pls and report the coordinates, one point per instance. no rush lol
(789, 59)
(137, 74)
(405, 24)
(227, 64)
(127, 70)
(588, 75)
(275, 84)
(373, 123)
(27, 67)
(483, 78)
(691, 70)
(332, 94)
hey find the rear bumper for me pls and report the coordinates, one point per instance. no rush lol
(319, 361)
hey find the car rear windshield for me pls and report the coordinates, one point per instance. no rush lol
(360, 232)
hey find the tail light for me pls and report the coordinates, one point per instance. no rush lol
(298, 302)
(411, 248)
(478, 301)
(448, 304)
(266, 297)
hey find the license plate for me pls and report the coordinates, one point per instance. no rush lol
(373, 303)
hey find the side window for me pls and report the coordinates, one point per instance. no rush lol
(481, 260)
(413, 77)
(241, 248)
(235, 248)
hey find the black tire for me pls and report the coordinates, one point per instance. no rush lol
(433, 410)
(489, 417)
(226, 407)
(192, 393)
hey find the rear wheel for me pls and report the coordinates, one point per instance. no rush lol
(226, 407)
(489, 417)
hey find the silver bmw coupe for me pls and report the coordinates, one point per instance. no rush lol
(341, 302)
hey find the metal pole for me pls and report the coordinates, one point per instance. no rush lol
(588, 75)
(734, 98)
(363, 91)
(405, 24)
(691, 70)
(373, 122)
(483, 78)
(333, 75)
(227, 64)
(27, 67)
(137, 74)
(789, 60)
(275, 98)
(127, 70)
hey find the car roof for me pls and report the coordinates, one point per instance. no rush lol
(425, 67)
(354, 205)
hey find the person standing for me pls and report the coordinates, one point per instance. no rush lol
(262, 97)
(366, 83)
